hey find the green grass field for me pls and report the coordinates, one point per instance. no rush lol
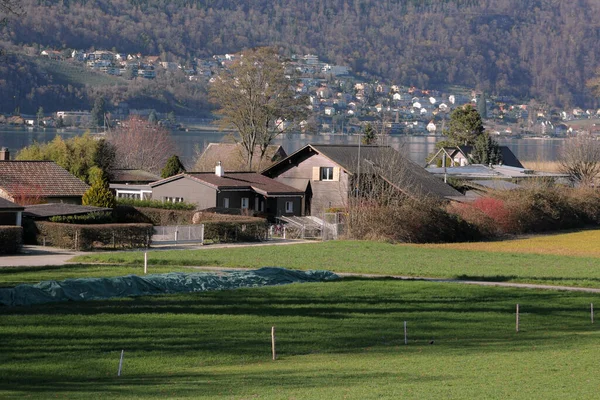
(382, 258)
(334, 340)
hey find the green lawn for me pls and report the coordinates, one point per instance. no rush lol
(14, 276)
(383, 258)
(335, 340)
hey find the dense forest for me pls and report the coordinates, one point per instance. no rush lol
(545, 49)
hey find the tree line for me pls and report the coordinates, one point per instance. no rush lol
(540, 49)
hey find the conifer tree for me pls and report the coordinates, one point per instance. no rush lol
(173, 167)
(99, 195)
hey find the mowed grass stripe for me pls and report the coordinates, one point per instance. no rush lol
(335, 340)
(440, 261)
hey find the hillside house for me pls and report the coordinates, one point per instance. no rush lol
(329, 174)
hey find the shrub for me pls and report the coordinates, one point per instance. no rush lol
(99, 195)
(88, 237)
(92, 218)
(11, 239)
(235, 231)
(156, 204)
(154, 216)
(410, 221)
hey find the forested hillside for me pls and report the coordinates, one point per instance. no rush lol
(545, 49)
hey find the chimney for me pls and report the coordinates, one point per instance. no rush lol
(4, 154)
(219, 169)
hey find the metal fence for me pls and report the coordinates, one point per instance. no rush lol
(329, 227)
(178, 234)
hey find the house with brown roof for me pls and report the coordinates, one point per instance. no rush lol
(28, 182)
(330, 174)
(247, 191)
(232, 157)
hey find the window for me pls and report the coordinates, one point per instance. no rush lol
(326, 173)
(245, 202)
(256, 204)
(226, 202)
(173, 199)
(289, 206)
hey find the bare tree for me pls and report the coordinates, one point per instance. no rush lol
(11, 7)
(257, 100)
(581, 159)
(140, 144)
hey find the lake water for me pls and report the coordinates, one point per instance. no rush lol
(189, 144)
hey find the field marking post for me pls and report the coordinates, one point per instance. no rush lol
(517, 321)
(121, 363)
(273, 343)
(405, 334)
(592, 311)
(145, 263)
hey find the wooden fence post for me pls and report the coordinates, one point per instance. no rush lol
(273, 343)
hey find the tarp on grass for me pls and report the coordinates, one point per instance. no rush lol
(83, 289)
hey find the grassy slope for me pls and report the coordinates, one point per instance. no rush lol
(64, 73)
(335, 340)
(577, 264)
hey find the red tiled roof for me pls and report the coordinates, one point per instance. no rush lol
(239, 180)
(40, 179)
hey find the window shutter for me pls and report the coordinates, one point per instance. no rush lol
(316, 174)
(336, 173)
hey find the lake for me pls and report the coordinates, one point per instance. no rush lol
(190, 144)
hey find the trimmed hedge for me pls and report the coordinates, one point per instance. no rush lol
(85, 219)
(165, 205)
(154, 216)
(11, 239)
(249, 231)
(88, 237)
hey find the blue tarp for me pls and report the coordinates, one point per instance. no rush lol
(83, 289)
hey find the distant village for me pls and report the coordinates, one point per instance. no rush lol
(342, 103)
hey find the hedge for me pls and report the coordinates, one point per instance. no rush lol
(154, 216)
(88, 237)
(240, 231)
(11, 239)
(156, 204)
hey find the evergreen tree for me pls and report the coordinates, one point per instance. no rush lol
(173, 166)
(369, 135)
(486, 151)
(60, 122)
(99, 195)
(40, 116)
(98, 112)
(152, 118)
(465, 126)
(172, 118)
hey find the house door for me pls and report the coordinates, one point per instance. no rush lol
(307, 199)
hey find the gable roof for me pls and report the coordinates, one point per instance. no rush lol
(237, 181)
(132, 176)
(508, 157)
(409, 177)
(232, 157)
(39, 179)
